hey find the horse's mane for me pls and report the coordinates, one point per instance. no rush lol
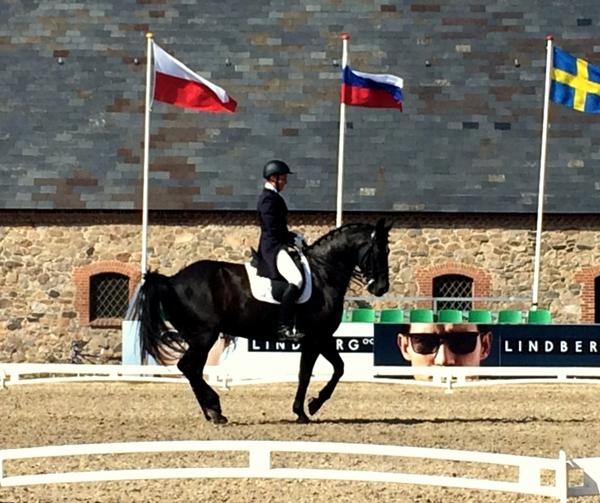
(328, 238)
(338, 230)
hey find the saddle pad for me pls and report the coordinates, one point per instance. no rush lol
(261, 286)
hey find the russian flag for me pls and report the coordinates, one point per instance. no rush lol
(176, 84)
(373, 90)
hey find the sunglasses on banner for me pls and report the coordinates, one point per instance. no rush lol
(460, 343)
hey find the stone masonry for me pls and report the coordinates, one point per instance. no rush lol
(40, 257)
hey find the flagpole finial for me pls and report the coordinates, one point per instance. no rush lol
(549, 37)
(345, 36)
(149, 34)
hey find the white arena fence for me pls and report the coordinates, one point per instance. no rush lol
(38, 373)
(225, 375)
(531, 470)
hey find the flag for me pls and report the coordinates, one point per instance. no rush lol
(575, 82)
(176, 84)
(372, 90)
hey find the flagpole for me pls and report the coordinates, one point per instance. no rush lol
(340, 179)
(144, 262)
(540, 211)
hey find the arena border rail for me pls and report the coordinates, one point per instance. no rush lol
(451, 377)
(29, 373)
(259, 465)
(225, 376)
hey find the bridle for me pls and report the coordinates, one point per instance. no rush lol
(366, 261)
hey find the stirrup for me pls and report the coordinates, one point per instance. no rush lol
(287, 334)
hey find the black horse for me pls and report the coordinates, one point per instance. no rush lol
(210, 297)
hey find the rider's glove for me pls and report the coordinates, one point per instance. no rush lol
(299, 241)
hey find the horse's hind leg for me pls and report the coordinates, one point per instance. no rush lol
(331, 354)
(307, 362)
(191, 365)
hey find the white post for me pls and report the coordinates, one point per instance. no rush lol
(144, 262)
(562, 477)
(340, 178)
(260, 459)
(540, 211)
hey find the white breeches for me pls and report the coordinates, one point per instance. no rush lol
(287, 268)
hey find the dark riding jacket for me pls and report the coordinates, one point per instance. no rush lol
(274, 233)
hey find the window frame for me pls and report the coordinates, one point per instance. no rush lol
(482, 281)
(82, 278)
(454, 277)
(95, 296)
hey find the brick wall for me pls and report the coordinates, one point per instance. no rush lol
(481, 279)
(81, 279)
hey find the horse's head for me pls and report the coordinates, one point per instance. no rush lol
(373, 259)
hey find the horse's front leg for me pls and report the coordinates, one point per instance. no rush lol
(191, 365)
(307, 363)
(331, 354)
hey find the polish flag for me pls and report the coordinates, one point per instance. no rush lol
(176, 84)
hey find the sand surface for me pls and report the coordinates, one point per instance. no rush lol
(536, 420)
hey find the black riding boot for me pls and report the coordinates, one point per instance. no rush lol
(285, 330)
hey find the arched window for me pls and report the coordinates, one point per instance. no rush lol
(454, 286)
(103, 290)
(109, 296)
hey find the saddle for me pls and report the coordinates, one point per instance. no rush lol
(271, 290)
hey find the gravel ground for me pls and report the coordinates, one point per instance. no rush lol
(536, 420)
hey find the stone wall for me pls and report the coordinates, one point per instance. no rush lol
(40, 254)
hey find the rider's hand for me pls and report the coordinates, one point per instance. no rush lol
(299, 241)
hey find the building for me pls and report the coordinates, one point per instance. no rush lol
(458, 170)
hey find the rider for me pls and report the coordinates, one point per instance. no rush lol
(274, 261)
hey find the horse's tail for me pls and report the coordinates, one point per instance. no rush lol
(156, 298)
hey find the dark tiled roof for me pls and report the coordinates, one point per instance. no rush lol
(468, 140)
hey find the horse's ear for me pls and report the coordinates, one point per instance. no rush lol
(383, 225)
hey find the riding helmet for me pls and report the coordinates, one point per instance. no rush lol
(276, 167)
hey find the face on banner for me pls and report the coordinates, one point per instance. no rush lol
(525, 345)
(459, 344)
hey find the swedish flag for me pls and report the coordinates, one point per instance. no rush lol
(575, 82)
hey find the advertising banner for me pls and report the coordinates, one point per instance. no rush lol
(419, 344)
(257, 359)
(349, 338)
(364, 345)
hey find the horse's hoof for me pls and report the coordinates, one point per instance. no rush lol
(303, 419)
(216, 417)
(313, 406)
